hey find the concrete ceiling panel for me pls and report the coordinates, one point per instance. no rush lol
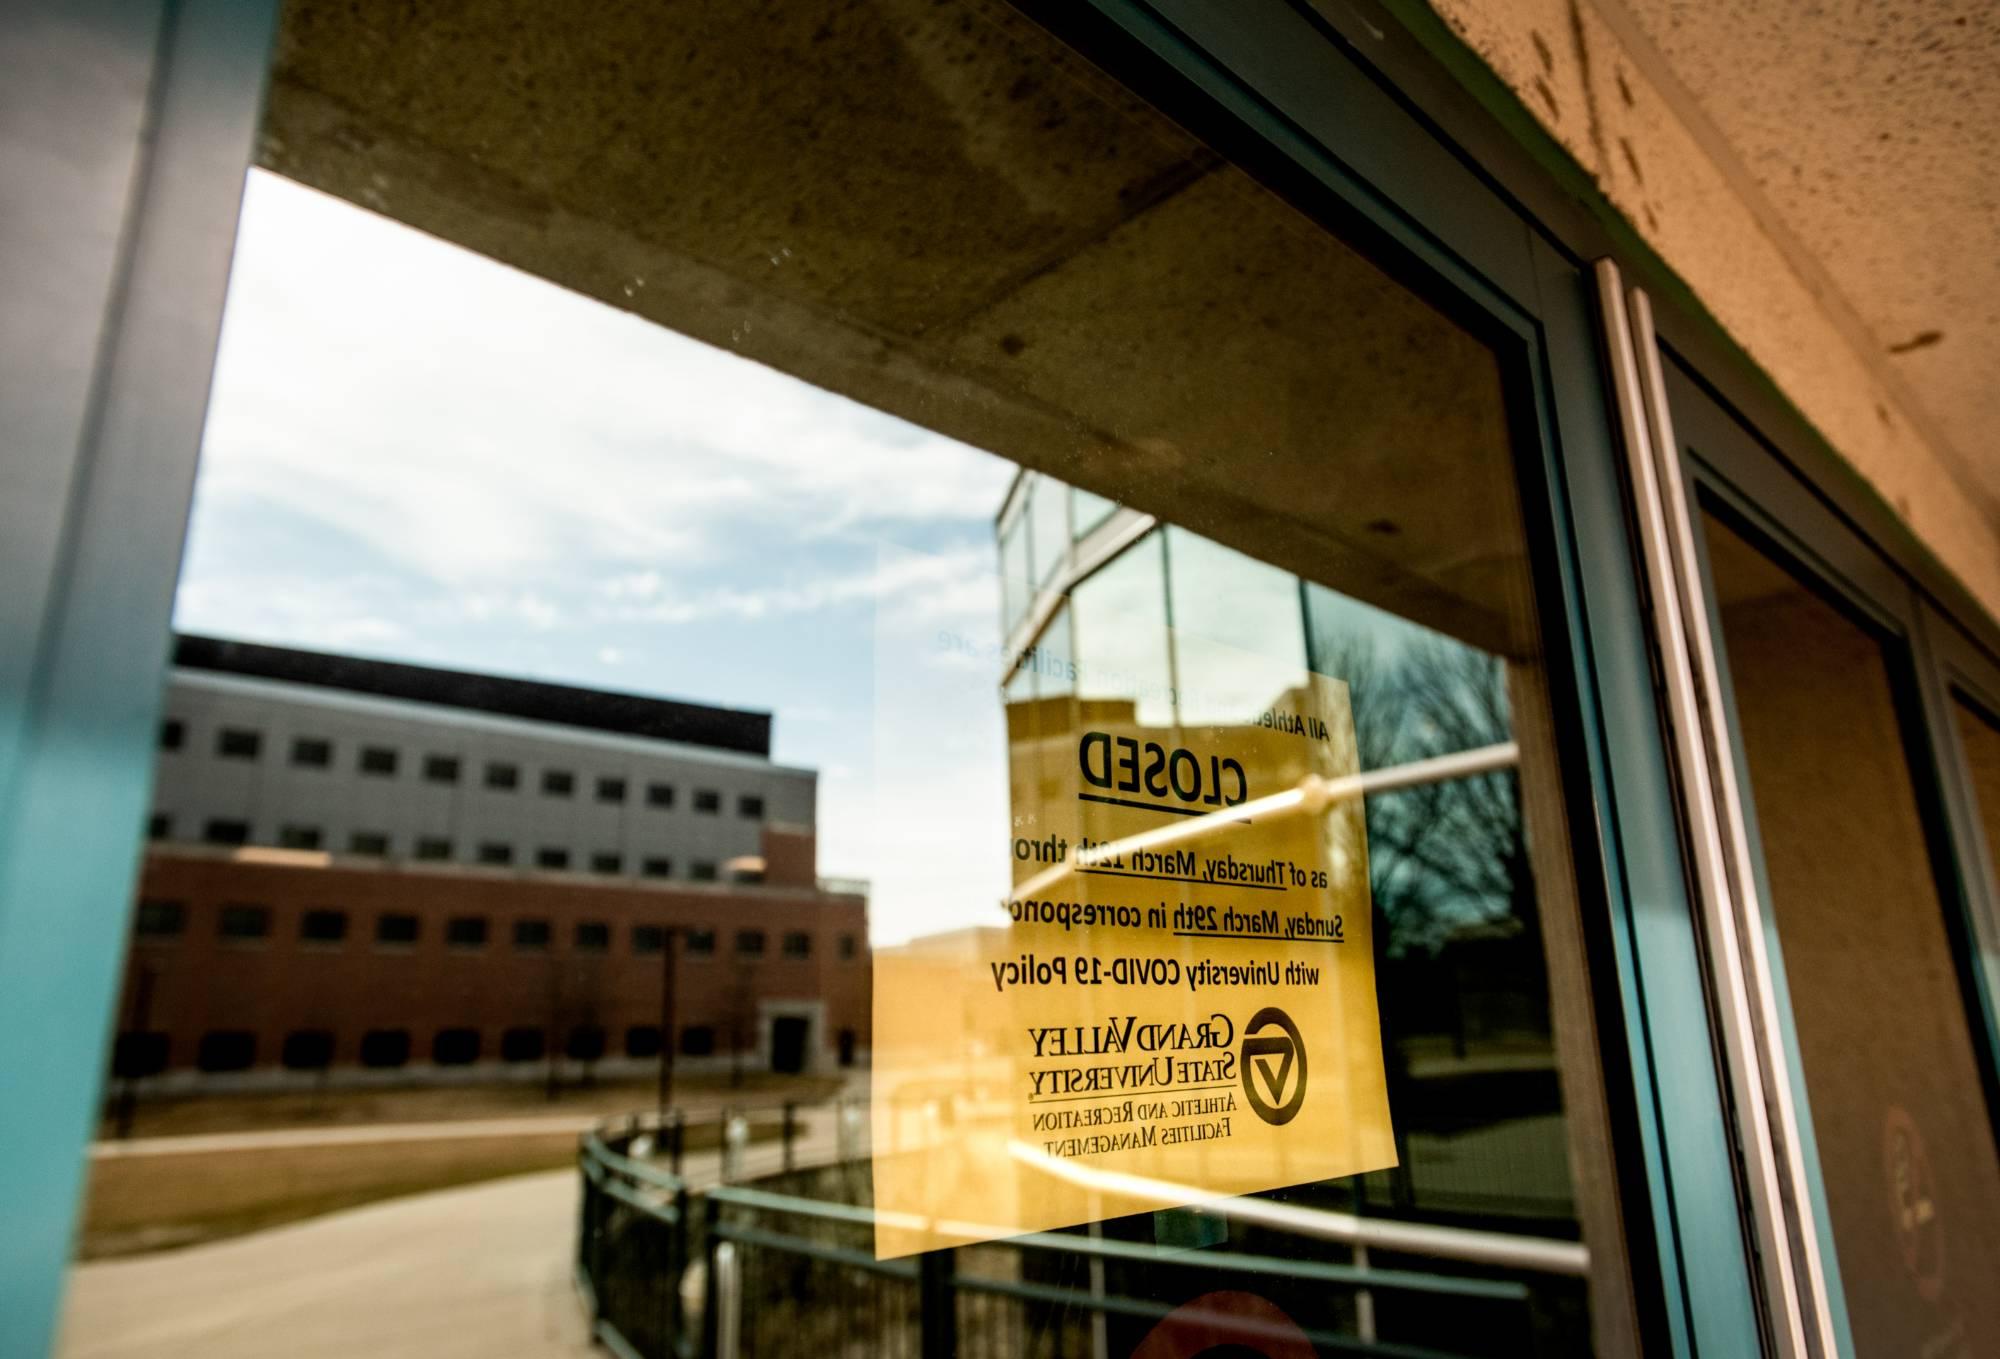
(935, 209)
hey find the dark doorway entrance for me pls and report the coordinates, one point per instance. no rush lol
(788, 1044)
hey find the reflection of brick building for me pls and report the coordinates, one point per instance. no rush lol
(419, 950)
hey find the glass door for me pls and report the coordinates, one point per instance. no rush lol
(963, 677)
(1856, 871)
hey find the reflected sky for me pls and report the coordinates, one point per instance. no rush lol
(418, 454)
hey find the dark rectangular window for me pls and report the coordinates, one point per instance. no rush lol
(159, 826)
(375, 844)
(551, 858)
(505, 777)
(493, 852)
(441, 768)
(466, 931)
(226, 1050)
(642, 1040)
(396, 927)
(611, 789)
(226, 832)
(656, 867)
(659, 795)
(159, 919)
(139, 1053)
(585, 1043)
(455, 1047)
(300, 837)
(649, 938)
(531, 935)
(700, 943)
(702, 870)
(750, 806)
(385, 1047)
(592, 936)
(604, 861)
(750, 943)
(707, 800)
(798, 944)
(378, 760)
(558, 782)
(310, 752)
(243, 921)
(307, 1050)
(173, 734)
(433, 847)
(239, 743)
(522, 1044)
(848, 947)
(323, 926)
(697, 1040)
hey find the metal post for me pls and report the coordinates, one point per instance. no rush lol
(588, 1256)
(677, 1130)
(1364, 1299)
(674, 1334)
(667, 980)
(1100, 1324)
(789, 1126)
(142, 1018)
(729, 1302)
(735, 1144)
(712, 1282)
(937, 1305)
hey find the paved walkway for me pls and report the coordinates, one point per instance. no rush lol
(481, 1271)
(357, 1134)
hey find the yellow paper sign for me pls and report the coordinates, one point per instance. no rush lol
(1175, 1003)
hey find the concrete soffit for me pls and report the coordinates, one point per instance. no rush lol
(1721, 186)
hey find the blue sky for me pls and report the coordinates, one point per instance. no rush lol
(413, 452)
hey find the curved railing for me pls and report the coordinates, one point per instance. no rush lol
(764, 1247)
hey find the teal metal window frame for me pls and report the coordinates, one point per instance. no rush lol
(125, 130)
(1368, 119)
(1348, 152)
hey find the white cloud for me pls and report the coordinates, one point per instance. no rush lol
(475, 423)
(332, 614)
(928, 586)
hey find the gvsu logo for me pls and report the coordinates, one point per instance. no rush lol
(1274, 1065)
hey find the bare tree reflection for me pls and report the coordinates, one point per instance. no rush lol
(1465, 1020)
(1442, 856)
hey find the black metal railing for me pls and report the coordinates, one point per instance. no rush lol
(780, 1264)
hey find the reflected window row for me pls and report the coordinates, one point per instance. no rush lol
(247, 744)
(148, 1052)
(160, 920)
(232, 832)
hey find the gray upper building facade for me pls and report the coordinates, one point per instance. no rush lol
(271, 746)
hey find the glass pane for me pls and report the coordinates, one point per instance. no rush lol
(1088, 510)
(1979, 736)
(1238, 638)
(617, 416)
(1905, 1142)
(1016, 575)
(1122, 659)
(1051, 515)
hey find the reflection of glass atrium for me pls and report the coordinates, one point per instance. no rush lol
(1110, 615)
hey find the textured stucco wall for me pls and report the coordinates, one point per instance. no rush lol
(1586, 71)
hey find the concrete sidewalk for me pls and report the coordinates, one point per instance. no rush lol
(483, 1270)
(358, 1134)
